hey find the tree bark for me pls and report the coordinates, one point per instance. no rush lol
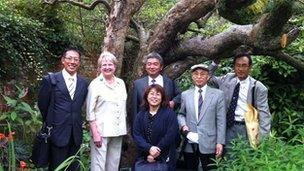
(177, 21)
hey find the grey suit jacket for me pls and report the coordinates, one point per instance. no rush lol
(227, 82)
(171, 89)
(211, 124)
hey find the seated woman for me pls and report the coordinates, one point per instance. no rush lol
(155, 128)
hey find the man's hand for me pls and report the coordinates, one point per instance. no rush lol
(185, 128)
(171, 104)
(98, 143)
(150, 159)
(154, 151)
(219, 150)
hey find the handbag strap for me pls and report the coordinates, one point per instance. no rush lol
(49, 116)
(253, 89)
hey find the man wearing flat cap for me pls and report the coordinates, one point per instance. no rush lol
(202, 119)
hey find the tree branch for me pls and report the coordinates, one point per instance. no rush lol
(177, 21)
(267, 33)
(81, 4)
(219, 45)
(132, 38)
(292, 61)
(176, 69)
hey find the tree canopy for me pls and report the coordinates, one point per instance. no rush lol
(261, 27)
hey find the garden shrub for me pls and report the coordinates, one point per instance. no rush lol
(273, 154)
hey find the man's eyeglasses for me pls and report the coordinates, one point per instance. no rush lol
(71, 58)
(242, 66)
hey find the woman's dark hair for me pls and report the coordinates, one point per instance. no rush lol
(158, 88)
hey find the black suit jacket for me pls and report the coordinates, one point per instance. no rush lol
(67, 120)
(171, 89)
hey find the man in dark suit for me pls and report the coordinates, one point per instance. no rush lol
(153, 65)
(68, 95)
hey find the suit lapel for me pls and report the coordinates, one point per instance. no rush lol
(190, 101)
(146, 82)
(61, 85)
(251, 85)
(208, 98)
(79, 86)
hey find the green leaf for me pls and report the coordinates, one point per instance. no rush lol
(3, 116)
(13, 116)
(9, 101)
(26, 107)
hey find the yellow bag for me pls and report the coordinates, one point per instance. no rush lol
(252, 126)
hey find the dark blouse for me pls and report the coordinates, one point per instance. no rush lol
(159, 130)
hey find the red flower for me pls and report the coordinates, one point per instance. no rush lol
(2, 136)
(10, 136)
(22, 165)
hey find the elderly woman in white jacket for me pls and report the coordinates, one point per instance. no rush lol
(106, 113)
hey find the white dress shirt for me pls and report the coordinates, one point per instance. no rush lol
(67, 76)
(241, 107)
(158, 80)
(107, 106)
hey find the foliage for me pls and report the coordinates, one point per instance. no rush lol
(83, 152)
(88, 26)
(153, 11)
(285, 87)
(272, 154)
(20, 49)
(22, 116)
(7, 152)
(30, 40)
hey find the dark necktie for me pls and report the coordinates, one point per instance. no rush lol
(153, 82)
(200, 102)
(232, 106)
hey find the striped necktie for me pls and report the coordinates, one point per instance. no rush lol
(200, 102)
(71, 87)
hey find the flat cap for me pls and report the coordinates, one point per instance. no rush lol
(199, 66)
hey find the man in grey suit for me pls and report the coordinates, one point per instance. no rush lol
(202, 118)
(238, 89)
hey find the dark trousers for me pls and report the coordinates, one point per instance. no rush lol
(192, 160)
(59, 154)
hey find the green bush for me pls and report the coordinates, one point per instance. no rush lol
(273, 154)
(32, 37)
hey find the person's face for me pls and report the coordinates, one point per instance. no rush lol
(153, 67)
(107, 68)
(200, 77)
(242, 68)
(71, 62)
(154, 98)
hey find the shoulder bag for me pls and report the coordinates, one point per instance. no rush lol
(41, 146)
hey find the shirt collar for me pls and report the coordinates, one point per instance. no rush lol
(243, 81)
(203, 88)
(102, 79)
(157, 79)
(66, 75)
